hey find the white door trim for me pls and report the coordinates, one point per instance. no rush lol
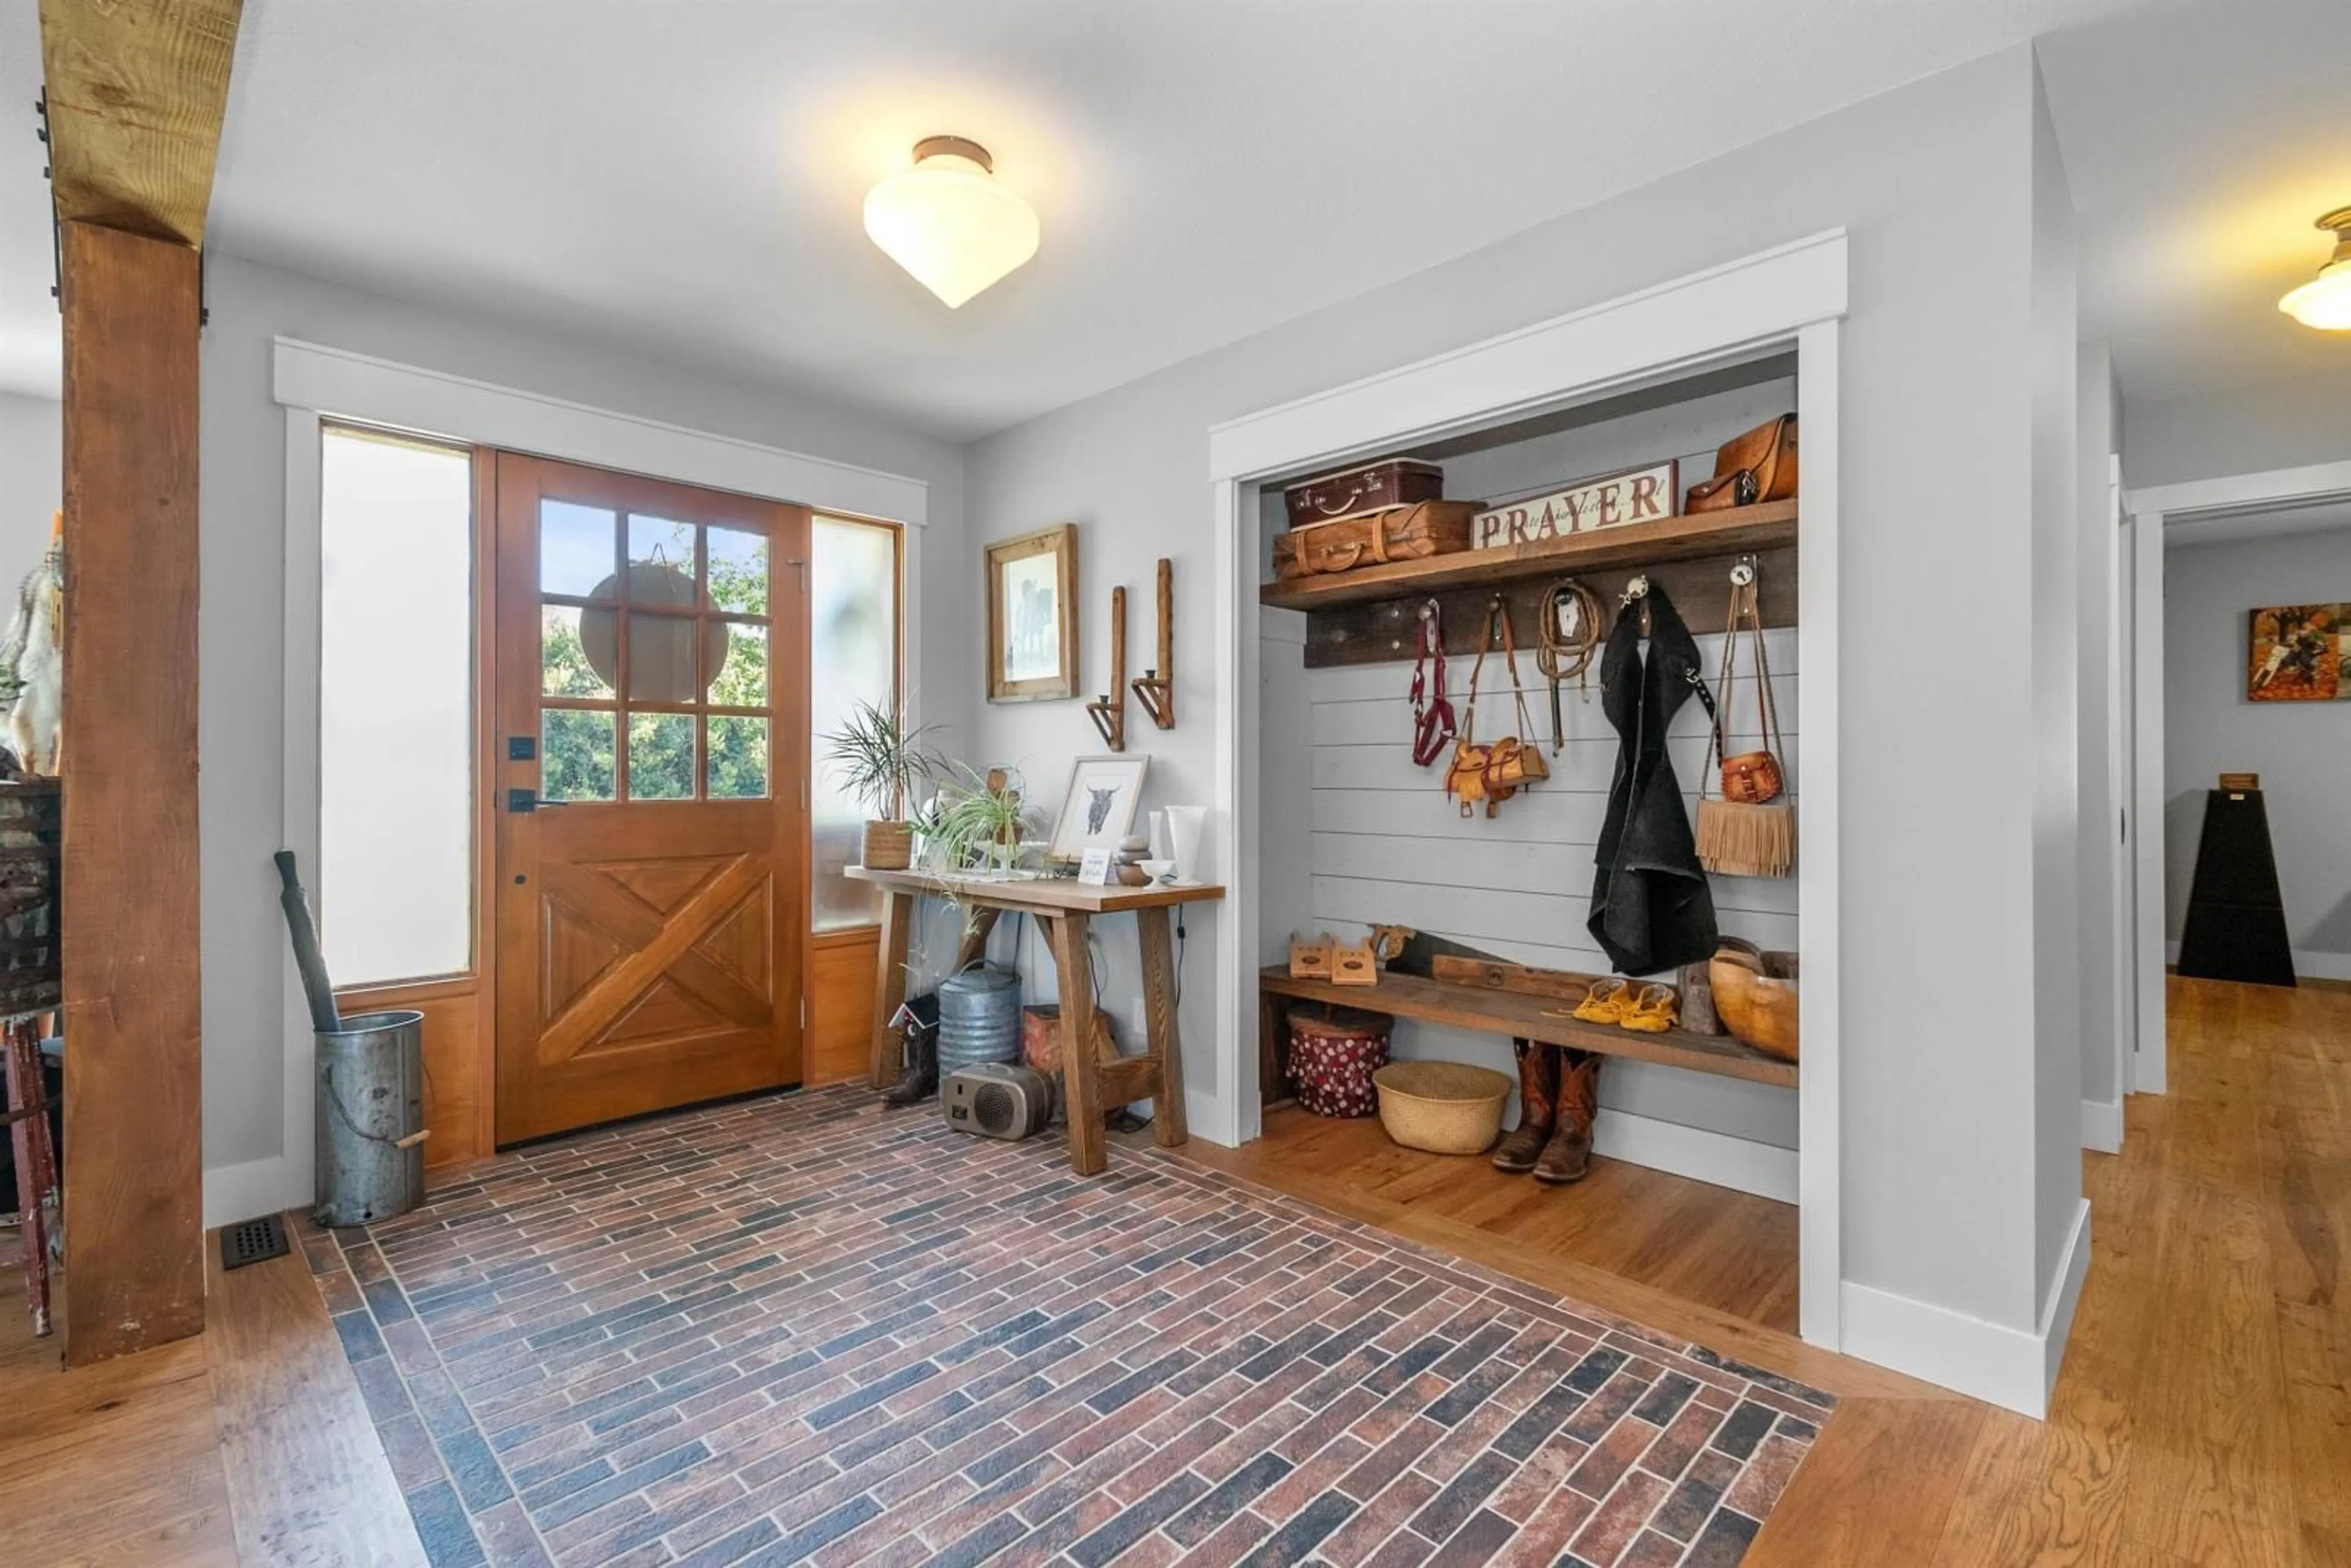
(2151, 508)
(1791, 296)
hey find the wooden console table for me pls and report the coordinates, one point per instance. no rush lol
(1064, 909)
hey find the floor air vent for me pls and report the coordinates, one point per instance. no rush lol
(253, 1241)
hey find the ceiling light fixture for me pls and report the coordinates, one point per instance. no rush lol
(947, 220)
(2325, 302)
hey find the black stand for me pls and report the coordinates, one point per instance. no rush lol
(2236, 921)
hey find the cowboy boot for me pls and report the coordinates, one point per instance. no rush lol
(918, 1076)
(1568, 1155)
(1538, 1105)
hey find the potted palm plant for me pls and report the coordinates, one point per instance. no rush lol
(882, 760)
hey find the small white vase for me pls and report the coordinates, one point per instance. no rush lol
(1187, 825)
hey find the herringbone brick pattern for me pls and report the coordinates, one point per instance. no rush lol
(802, 1329)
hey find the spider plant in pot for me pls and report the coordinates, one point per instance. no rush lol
(981, 819)
(882, 760)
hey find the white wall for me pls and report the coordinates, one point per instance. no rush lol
(2238, 429)
(241, 628)
(2298, 749)
(32, 485)
(1936, 185)
(2100, 843)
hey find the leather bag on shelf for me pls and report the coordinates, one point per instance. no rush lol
(1760, 466)
(1414, 532)
(1493, 773)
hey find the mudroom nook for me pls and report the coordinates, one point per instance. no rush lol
(1431, 613)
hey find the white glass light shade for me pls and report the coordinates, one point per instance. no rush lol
(2325, 302)
(947, 222)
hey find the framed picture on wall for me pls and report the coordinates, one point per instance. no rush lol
(2296, 653)
(1032, 617)
(1099, 809)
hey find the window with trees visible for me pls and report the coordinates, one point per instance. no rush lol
(667, 649)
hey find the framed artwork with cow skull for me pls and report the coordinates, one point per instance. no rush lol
(1099, 809)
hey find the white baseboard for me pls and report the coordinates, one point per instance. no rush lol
(2102, 1125)
(2308, 963)
(1742, 1164)
(250, 1191)
(2005, 1366)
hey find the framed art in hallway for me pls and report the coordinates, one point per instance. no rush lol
(1032, 617)
(2296, 653)
(1099, 809)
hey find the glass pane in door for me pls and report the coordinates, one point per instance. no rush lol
(739, 758)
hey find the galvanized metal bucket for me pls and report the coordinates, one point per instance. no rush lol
(979, 1017)
(370, 1119)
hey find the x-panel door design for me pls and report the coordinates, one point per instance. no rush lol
(652, 832)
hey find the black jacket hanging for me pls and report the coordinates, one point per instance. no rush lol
(1651, 908)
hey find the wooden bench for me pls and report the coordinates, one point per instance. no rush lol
(1489, 1011)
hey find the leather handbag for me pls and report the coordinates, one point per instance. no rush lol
(1749, 831)
(1493, 773)
(1760, 466)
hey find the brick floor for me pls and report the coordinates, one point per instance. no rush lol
(801, 1329)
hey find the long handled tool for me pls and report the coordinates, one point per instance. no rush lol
(324, 1018)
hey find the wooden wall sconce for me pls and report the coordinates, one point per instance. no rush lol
(1155, 690)
(1109, 710)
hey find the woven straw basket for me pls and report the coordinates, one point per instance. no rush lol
(889, 846)
(1444, 1107)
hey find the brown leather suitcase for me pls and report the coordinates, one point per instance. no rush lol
(1399, 533)
(1392, 482)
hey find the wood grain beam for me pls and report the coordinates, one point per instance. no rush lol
(134, 1169)
(137, 91)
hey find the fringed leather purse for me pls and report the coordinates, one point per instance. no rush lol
(1496, 772)
(1752, 830)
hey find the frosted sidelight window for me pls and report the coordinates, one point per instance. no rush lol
(395, 884)
(852, 657)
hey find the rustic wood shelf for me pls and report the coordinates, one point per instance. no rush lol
(1531, 1018)
(1769, 525)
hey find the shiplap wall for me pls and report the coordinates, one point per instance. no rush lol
(1371, 839)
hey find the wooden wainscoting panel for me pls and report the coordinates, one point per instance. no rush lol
(840, 1003)
(456, 1063)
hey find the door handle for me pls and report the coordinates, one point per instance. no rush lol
(524, 801)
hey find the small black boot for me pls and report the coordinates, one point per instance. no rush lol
(918, 1069)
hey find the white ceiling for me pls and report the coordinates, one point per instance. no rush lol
(683, 179)
(2200, 142)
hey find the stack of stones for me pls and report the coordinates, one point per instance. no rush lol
(1132, 851)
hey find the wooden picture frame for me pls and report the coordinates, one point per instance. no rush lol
(1032, 617)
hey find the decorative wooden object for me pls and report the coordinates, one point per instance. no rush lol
(1353, 964)
(1489, 975)
(1742, 531)
(132, 984)
(2240, 783)
(1109, 710)
(1064, 910)
(1756, 997)
(1611, 500)
(136, 93)
(1544, 1018)
(1309, 960)
(1379, 631)
(1156, 688)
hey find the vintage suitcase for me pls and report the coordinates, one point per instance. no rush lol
(1393, 482)
(1398, 533)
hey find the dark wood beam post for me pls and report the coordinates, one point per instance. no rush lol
(134, 1131)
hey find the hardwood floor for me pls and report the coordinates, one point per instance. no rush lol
(2203, 1417)
(248, 1446)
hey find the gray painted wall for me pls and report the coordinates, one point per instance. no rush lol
(2100, 432)
(1949, 1160)
(2239, 430)
(2298, 749)
(32, 485)
(242, 627)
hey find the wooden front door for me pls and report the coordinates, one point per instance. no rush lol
(652, 830)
